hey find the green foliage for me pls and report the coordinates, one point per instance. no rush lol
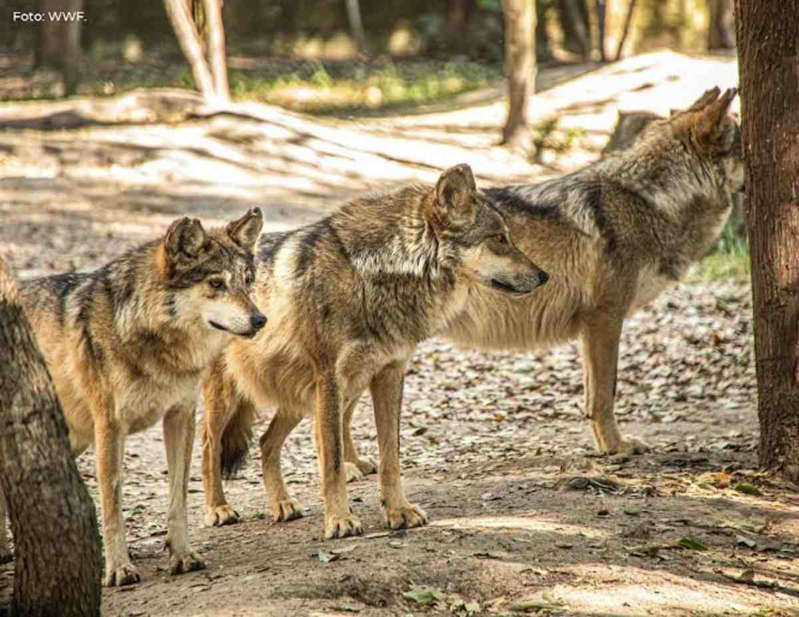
(358, 87)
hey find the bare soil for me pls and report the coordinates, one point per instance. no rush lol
(525, 518)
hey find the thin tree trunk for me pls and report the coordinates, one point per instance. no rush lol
(721, 26)
(600, 26)
(519, 64)
(58, 44)
(72, 55)
(216, 48)
(190, 43)
(57, 550)
(768, 60)
(628, 19)
(575, 28)
(356, 24)
(50, 43)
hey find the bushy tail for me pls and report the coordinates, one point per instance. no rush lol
(228, 418)
(236, 439)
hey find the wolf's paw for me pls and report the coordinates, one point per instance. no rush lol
(632, 445)
(405, 517)
(366, 465)
(287, 510)
(352, 472)
(180, 564)
(341, 527)
(126, 574)
(217, 516)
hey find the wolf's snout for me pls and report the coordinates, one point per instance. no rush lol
(257, 321)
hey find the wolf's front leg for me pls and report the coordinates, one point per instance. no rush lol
(5, 551)
(109, 445)
(355, 466)
(339, 518)
(178, 440)
(282, 505)
(386, 388)
(600, 353)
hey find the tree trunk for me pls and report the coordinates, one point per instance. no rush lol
(57, 550)
(768, 59)
(575, 26)
(216, 48)
(59, 41)
(601, 9)
(628, 19)
(190, 43)
(519, 64)
(72, 56)
(721, 27)
(356, 24)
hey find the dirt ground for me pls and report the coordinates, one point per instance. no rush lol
(525, 518)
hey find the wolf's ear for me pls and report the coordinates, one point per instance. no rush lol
(712, 127)
(708, 96)
(245, 231)
(185, 239)
(454, 191)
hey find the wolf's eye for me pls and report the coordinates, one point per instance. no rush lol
(502, 239)
(217, 284)
(248, 279)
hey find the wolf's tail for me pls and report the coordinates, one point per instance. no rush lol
(229, 419)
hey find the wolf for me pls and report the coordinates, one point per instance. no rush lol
(127, 346)
(613, 235)
(349, 298)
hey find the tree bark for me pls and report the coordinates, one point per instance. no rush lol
(216, 48)
(573, 19)
(519, 64)
(768, 59)
(601, 9)
(628, 19)
(57, 550)
(356, 24)
(59, 42)
(721, 27)
(191, 45)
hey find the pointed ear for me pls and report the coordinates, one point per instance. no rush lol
(245, 231)
(184, 239)
(707, 97)
(711, 127)
(454, 191)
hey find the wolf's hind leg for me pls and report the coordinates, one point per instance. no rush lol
(178, 440)
(354, 466)
(281, 504)
(600, 353)
(386, 390)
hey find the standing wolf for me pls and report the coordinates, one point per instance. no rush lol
(349, 298)
(127, 345)
(612, 235)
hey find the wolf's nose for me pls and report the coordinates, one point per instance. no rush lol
(257, 321)
(543, 277)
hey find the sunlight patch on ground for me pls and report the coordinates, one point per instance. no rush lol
(519, 523)
(655, 592)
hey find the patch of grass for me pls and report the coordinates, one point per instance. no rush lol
(340, 88)
(547, 135)
(730, 258)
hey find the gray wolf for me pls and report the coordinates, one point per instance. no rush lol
(613, 236)
(127, 346)
(349, 298)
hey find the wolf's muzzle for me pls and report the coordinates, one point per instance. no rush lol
(257, 321)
